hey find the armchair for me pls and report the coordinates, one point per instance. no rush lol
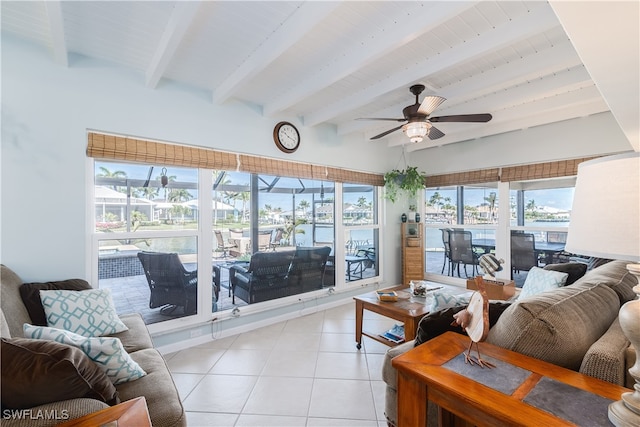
(523, 252)
(264, 279)
(461, 251)
(307, 268)
(170, 283)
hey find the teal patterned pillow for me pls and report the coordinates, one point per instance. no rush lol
(106, 352)
(438, 300)
(540, 280)
(89, 313)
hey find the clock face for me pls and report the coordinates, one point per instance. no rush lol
(286, 137)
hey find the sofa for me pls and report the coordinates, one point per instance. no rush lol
(157, 386)
(271, 275)
(575, 326)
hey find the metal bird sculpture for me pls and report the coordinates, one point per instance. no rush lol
(475, 321)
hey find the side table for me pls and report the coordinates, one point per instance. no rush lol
(132, 413)
(520, 391)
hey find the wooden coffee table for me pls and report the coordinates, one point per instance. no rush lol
(520, 391)
(407, 309)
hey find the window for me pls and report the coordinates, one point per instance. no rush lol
(135, 212)
(360, 218)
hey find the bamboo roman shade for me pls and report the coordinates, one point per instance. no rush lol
(534, 171)
(111, 147)
(542, 170)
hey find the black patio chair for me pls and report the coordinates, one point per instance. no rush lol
(461, 246)
(307, 268)
(523, 252)
(170, 283)
(447, 252)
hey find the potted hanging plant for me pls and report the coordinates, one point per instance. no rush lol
(403, 182)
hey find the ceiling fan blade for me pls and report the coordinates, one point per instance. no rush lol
(386, 133)
(430, 103)
(382, 118)
(475, 118)
(435, 133)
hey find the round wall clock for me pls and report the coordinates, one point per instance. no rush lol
(286, 137)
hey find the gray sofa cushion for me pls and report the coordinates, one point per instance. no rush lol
(14, 311)
(615, 275)
(575, 270)
(544, 325)
(163, 401)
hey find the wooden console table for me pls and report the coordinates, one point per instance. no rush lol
(539, 394)
(132, 413)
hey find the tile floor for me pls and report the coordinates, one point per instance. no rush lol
(301, 372)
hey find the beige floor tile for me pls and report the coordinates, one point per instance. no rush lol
(340, 343)
(210, 419)
(308, 341)
(241, 362)
(336, 422)
(374, 365)
(342, 365)
(287, 363)
(378, 389)
(343, 399)
(194, 360)
(311, 323)
(339, 326)
(220, 393)
(280, 396)
(247, 420)
(344, 311)
(186, 383)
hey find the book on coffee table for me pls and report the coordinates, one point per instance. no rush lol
(395, 334)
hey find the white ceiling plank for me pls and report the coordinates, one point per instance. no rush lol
(305, 19)
(562, 112)
(56, 27)
(496, 80)
(606, 35)
(412, 26)
(176, 28)
(537, 22)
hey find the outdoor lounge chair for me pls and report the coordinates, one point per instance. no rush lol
(170, 283)
(264, 279)
(307, 268)
(222, 245)
(275, 241)
(264, 240)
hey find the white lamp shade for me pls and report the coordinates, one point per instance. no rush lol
(605, 218)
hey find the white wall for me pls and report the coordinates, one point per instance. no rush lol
(46, 112)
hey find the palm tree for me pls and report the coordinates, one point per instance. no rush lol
(106, 173)
(244, 198)
(492, 204)
(146, 192)
(304, 205)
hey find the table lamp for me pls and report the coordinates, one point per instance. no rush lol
(605, 223)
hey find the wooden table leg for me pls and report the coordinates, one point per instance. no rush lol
(410, 328)
(359, 316)
(412, 402)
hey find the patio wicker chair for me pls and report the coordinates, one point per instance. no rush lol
(170, 283)
(307, 268)
(275, 241)
(447, 252)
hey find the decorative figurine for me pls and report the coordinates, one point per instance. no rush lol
(417, 217)
(404, 217)
(475, 321)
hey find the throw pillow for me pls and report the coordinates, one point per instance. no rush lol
(89, 313)
(439, 300)
(107, 352)
(30, 293)
(35, 372)
(435, 324)
(539, 280)
(575, 270)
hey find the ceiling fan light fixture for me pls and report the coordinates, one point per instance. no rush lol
(416, 131)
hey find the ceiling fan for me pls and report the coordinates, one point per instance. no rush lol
(419, 124)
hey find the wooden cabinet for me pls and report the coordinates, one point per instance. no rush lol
(412, 252)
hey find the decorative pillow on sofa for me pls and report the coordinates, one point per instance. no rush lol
(30, 293)
(107, 352)
(35, 372)
(439, 322)
(575, 270)
(539, 280)
(439, 300)
(89, 313)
